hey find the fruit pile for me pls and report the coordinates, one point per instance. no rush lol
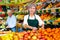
(57, 5)
(41, 34)
(46, 16)
(8, 35)
(49, 6)
(46, 34)
(58, 20)
(2, 14)
(20, 17)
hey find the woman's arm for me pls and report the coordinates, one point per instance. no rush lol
(25, 23)
(41, 23)
(30, 27)
(42, 26)
(27, 26)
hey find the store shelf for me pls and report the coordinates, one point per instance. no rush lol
(52, 10)
(13, 3)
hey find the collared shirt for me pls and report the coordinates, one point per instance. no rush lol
(11, 21)
(37, 17)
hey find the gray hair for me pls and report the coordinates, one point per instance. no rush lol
(31, 5)
(9, 11)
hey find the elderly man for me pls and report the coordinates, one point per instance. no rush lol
(11, 21)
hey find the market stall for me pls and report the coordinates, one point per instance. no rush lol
(46, 34)
(48, 10)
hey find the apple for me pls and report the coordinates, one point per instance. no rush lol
(34, 31)
(39, 36)
(29, 37)
(34, 37)
(28, 31)
(15, 37)
(26, 35)
(25, 39)
(43, 39)
(3, 15)
(31, 34)
(20, 38)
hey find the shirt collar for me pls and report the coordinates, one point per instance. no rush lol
(10, 17)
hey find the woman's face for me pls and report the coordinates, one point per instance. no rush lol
(32, 10)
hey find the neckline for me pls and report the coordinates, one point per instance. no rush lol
(11, 16)
(29, 16)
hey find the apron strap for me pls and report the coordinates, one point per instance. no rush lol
(35, 16)
(29, 16)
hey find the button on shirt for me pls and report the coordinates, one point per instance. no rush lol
(11, 21)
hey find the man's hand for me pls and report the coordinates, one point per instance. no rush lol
(7, 27)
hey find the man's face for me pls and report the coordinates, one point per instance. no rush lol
(9, 12)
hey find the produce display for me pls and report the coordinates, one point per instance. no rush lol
(20, 17)
(40, 6)
(0, 9)
(58, 20)
(2, 14)
(2, 24)
(57, 5)
(41, 34)
(46, 9)
(46, 16)
(42, 0)
(49, 6)
(19, 1)
(2, 2)
(7, 35)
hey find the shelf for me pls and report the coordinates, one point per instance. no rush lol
(50, 10)
(15, 4)
(2, 4)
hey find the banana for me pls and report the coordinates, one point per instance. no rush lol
(37, 1)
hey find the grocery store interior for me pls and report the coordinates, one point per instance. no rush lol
(47, 10)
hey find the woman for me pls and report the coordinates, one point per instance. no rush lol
(32, 21)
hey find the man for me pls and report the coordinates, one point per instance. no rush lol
(11, 21)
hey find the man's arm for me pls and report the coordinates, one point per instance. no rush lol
(7, 21)
(13, 24)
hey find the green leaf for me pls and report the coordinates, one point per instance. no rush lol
(57, 10)
(44, 11)
(49, 10)
(0, 12)
(40, 11)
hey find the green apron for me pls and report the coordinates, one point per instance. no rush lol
(33, 23)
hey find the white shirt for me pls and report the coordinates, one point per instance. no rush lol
(32, 18)
(11, 21)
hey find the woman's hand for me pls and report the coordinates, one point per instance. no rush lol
(27, 26)
(42, 26)
(34, 28)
